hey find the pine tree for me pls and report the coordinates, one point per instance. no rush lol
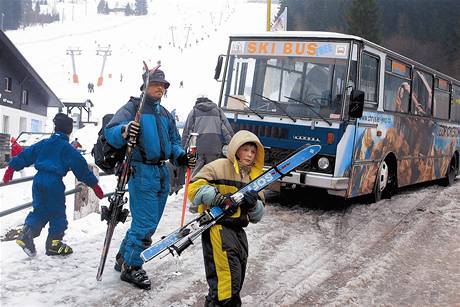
(28, 15)
(363, 20)
(140, 7)
(10, 14)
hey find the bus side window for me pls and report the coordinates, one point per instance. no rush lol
(422, 93)
(441, 99)
(369, 79)
(396, 89)
(455, 106)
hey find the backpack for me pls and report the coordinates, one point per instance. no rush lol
(105, 155)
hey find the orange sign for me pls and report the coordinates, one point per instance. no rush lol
(290, 48)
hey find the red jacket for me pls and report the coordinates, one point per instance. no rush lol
(15, 149)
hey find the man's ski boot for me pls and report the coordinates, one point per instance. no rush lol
(136, 276)
(26, 241)
(118, 262)
(55, 247)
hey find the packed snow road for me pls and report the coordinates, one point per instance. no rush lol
(402, 251)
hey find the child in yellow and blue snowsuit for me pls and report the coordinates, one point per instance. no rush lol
(225, 246)
(53, 158)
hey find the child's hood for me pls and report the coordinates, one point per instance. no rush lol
(240, 138)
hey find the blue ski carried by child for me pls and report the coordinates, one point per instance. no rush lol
(177, 241)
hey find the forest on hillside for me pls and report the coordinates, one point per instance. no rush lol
(425, 30)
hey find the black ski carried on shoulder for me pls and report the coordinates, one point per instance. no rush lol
(115, 212)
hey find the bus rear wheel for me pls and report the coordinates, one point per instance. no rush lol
(450, 174)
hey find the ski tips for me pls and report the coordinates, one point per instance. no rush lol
(314, 149)
(150, 71)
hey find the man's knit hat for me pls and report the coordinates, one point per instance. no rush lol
(63, 123)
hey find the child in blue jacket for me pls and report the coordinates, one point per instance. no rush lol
(53, 158)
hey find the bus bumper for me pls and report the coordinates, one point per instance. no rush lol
(334, 185)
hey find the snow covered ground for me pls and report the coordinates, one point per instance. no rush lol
(402, 251)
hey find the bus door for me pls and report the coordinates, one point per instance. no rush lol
(369, 128)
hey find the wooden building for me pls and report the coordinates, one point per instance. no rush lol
(24, 96)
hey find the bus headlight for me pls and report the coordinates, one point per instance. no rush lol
(323, 163)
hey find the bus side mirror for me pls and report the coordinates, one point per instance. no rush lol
(220, 60)
(356, 104)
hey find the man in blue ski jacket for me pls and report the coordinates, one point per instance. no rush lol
(157, 141)
(53, 158)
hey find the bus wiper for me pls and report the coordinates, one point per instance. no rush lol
(279, 106)
(306, 104)
(244, 103)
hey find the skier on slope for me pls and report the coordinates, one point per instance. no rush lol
(225, 246)
(53, 158)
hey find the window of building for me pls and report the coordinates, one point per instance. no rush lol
(396, 91)
(6, 124)
(22, 124)
(35, 125)
(422, 93)
(25, 97)
(8, 84)
(369, 79)
(455, 105)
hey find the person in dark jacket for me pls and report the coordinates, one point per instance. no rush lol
(214, 131)
(53, 158)
(157, 140)
(214, 134)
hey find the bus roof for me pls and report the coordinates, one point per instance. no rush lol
(341, 36)
(299, 34)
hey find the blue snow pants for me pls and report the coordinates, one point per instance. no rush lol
(148, 191)
(48, 194)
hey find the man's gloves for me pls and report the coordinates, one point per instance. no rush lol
(249, 200)
(131, 130)
(191, 160)
(226, 203)
(8, 174)
(98, 191)
(187, 160)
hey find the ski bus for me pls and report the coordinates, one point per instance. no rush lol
(383, 120)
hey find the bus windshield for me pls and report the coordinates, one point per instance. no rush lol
(293, 86)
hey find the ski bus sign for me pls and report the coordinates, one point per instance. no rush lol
(290, 48)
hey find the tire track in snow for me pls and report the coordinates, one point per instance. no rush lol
(314, 268)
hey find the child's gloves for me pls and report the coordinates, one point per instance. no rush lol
(249, 200)
(8, 174)
(226, 203)
(98, 191)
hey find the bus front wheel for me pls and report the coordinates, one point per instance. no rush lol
(385, 182)
(450, 174)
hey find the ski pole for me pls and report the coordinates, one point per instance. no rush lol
(191, 151)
